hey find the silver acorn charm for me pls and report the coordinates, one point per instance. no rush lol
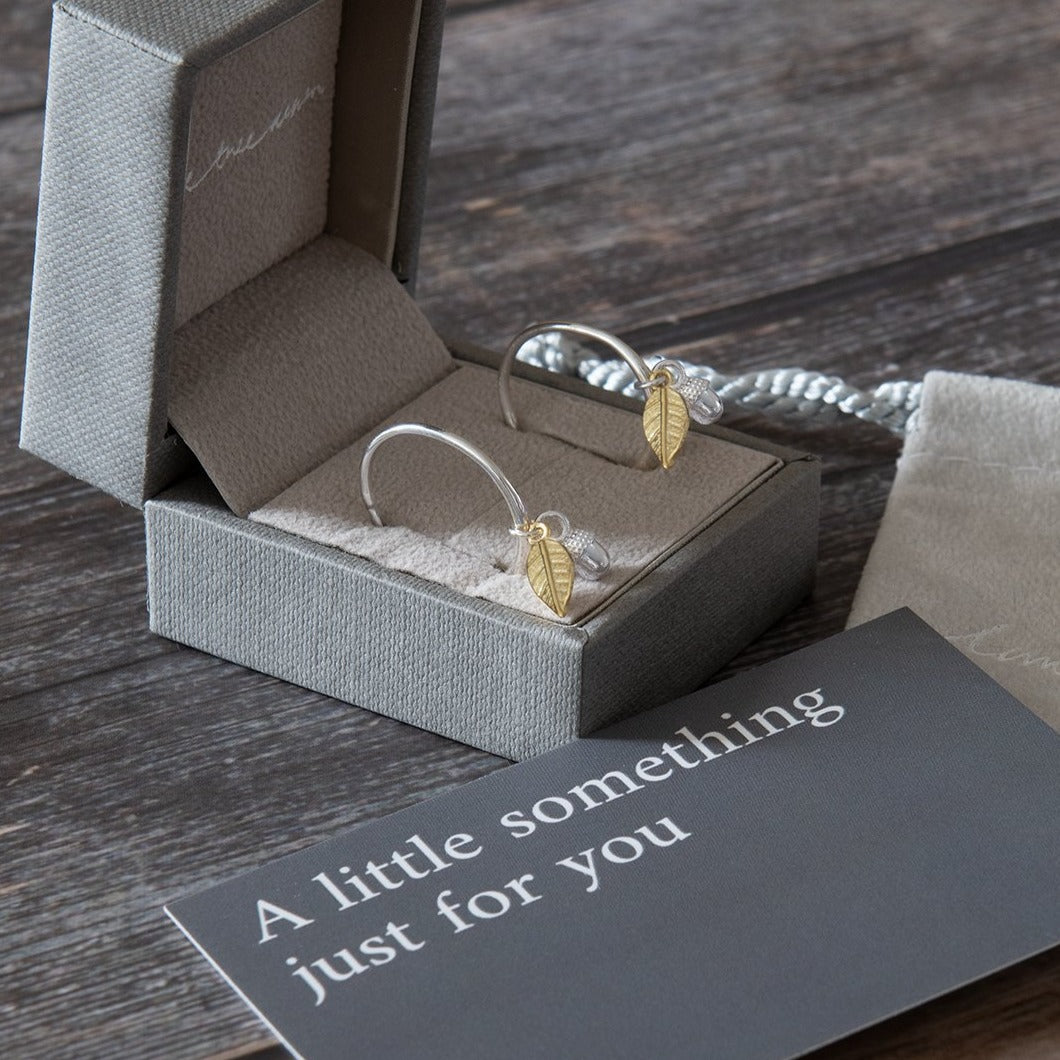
(590, 557)
(704, 404)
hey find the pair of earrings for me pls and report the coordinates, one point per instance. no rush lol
(552, 546)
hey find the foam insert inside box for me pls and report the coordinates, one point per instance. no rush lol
(284, 445)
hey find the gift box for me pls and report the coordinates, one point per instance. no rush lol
(222, 318)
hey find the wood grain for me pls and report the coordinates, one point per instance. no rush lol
(738, 149)
(869, 188)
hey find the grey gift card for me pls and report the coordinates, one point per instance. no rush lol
(751, 871)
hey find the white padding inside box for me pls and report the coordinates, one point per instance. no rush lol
(319, 353)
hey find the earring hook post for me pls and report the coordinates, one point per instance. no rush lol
(520, 516)
(583, 331)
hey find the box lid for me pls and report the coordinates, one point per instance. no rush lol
(113, 274)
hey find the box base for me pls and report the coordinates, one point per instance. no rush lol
(486, 675)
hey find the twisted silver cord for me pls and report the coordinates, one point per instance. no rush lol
(791, 392)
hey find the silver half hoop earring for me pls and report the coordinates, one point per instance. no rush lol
(554, 548)
(673, 397)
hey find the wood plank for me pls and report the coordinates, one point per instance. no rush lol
(20, 151)
(144, 774)
(24, 27)
(732, 151)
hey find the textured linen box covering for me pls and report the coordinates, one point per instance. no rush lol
(154, 241)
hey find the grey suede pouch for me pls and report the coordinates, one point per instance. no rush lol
(970, 538)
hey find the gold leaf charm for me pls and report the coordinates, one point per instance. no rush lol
(549, 569)
(665, 423)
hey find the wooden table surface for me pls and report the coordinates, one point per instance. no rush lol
(870, 188)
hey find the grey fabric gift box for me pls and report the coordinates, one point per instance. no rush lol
(131, 215)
